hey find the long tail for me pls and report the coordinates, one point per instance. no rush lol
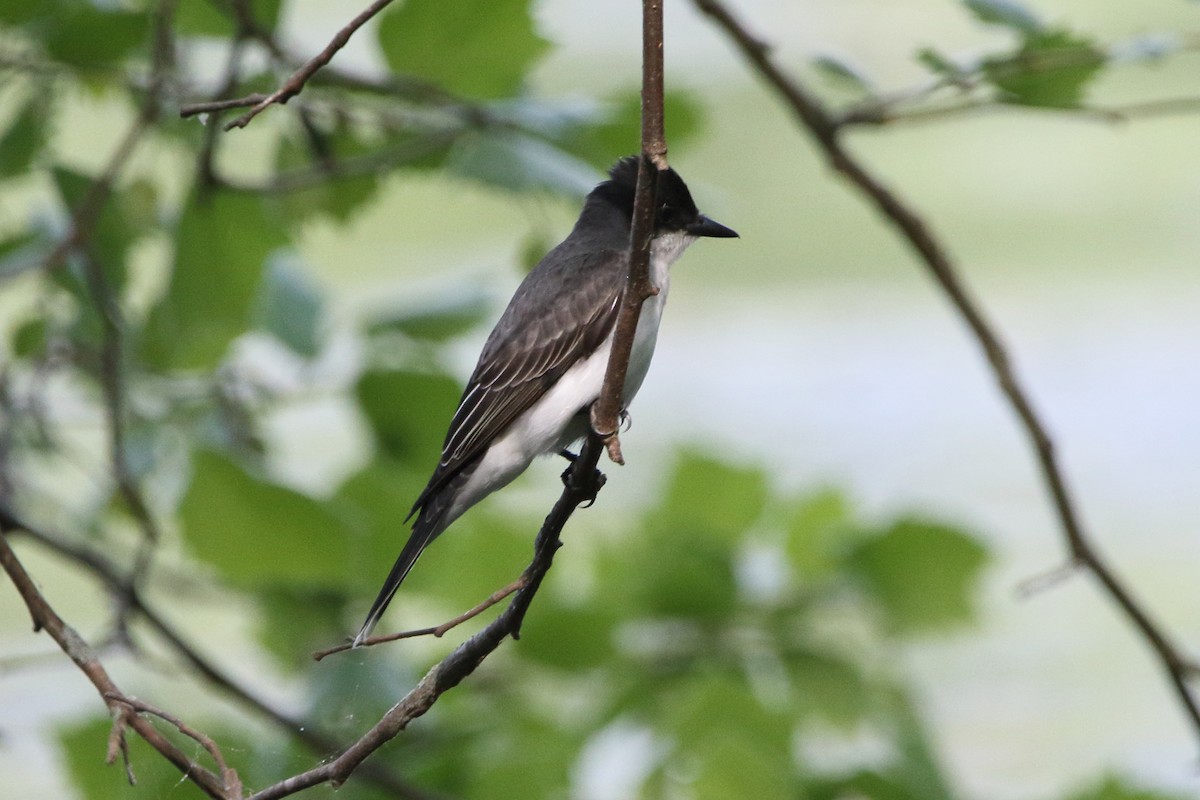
(431, 521)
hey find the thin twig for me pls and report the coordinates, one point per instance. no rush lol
(295, 82)
(374, 163)
(85, 215)
(933, 254)
(878, 113)
(233, 784)
(437, 631)
(212, 106)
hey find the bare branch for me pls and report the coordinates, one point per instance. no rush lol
(825, 131)
(302, 730)
(84, 657)
(230, 776)
(883, 112)
(638, 287)
(437, 631)
(296, 81)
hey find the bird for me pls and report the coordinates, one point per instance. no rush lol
(543, 365)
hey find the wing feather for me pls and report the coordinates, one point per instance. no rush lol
(562, 312)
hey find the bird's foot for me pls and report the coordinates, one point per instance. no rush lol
(591, 485)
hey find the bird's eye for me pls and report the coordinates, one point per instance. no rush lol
(670, 216)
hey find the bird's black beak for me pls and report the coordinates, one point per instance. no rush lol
(707, 227)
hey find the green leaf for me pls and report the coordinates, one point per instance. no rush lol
(520, 163)
(865, 783)
(30, 338)
(23, 140)
(827, 686)
(529, 758)
(481, 553)
(409, 412)
(256, 533)
(437, 320)
(290, 305)
(221, 246)
(111, 232)
(373, 505)
(328, 151)
(1051, 70)
(689, 707)
(713, 499)
(19, 12)
(616, 134)
(746, 754)
(923, 574)
(218, 21)
(86, 35)
(818, 528)
(731, 765)
(106, 243)
(1008, 13)
(668, 573)
(568, 638)
(473, 48)
(297, 620)
(697, 529)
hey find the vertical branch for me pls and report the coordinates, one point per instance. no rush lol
(638, 287)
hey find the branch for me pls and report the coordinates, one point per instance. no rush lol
(583, 482)
(295, 82)
(879, 112)
(304, 731)
(84, 657)
(85, 215)
(638, 287)
(436, 631)
(229, 776)
(824, 131)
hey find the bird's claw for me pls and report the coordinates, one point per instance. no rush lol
(593, 486)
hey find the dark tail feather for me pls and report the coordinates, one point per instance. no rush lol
(422, 535)
(430, 523)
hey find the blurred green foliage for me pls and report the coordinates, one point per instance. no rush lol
(726, 631)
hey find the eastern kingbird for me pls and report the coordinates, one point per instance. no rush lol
(543, 365)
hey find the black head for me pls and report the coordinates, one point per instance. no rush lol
(676, 210)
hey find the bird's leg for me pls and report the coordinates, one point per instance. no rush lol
(598, 477)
